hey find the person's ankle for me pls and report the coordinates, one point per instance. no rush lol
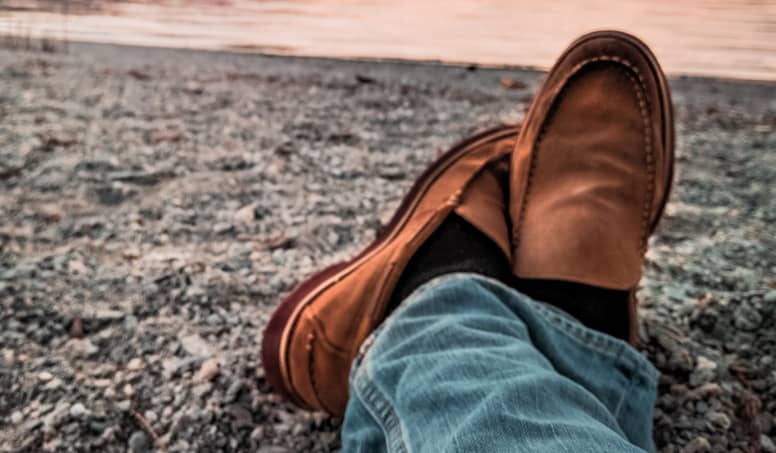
(601, 309)
(456, 246)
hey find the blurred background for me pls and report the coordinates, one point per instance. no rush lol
(729, 38)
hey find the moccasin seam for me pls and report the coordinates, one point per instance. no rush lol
(310, 365)
(650, 163)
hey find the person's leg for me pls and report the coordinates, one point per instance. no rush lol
(468, 364)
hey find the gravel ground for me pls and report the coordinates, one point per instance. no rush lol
(156, 203)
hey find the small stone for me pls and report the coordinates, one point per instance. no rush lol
(45, 376)
(150, 416)
(706, 390)
(135, 364)
(208, 370)
(512, 84)
(55, 417)
(101, 383)
(234, 389)
(257, 434)
(770, 297)
(139, 442)
(705, 370)
(167, 412)
(718, 420)
(128, 390)
(705, 364)
(130, 323)
(16, 417)
(698, 445)
(78, 410)
(81, 347)
(195, 345)
(50, 212)
(245, 215)
(53, 384)
(767, 445)
(77, 267)
(124, 405)
(747, 318)
(107, 315)
(201, 390)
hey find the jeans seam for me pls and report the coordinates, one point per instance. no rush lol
(611, 349)
(387, 419)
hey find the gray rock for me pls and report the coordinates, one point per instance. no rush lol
(81, 347)
(56, 416)
(196, 346)
(767, 445)
(16, 417)
(124, 405)
(130, 323)
(139, 442)
(78, 410)
(698, 445)
(705, 371)
(747, 318)
(718, 420)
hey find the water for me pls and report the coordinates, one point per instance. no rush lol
(728, 38)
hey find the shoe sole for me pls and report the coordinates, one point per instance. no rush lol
(283, 321)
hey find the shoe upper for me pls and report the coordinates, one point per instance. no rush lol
(592, 166)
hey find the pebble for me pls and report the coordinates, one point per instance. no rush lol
(705, 370)
(45, 376)
(747, 318)
(195, 345)
(718, 420)
(245, 215)
(698, 445)
(767, 445)
(135, 364)
(81, 347)
(78, 410)
(124, 405)
(150, 416)
(770, 297)
(16, 417)
(208, 370)
(139, 442)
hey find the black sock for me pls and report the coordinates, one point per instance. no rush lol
(601, 309)
(456, 246)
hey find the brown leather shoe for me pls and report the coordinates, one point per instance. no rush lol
(316, 331)
(592, 167)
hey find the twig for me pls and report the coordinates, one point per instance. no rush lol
(148, 428)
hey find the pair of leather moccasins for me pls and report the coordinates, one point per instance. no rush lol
(590, 170)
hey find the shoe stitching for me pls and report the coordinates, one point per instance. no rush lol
(643, 105)
(646, 213)
(310, 364)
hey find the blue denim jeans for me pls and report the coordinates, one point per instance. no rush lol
(467, 364)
